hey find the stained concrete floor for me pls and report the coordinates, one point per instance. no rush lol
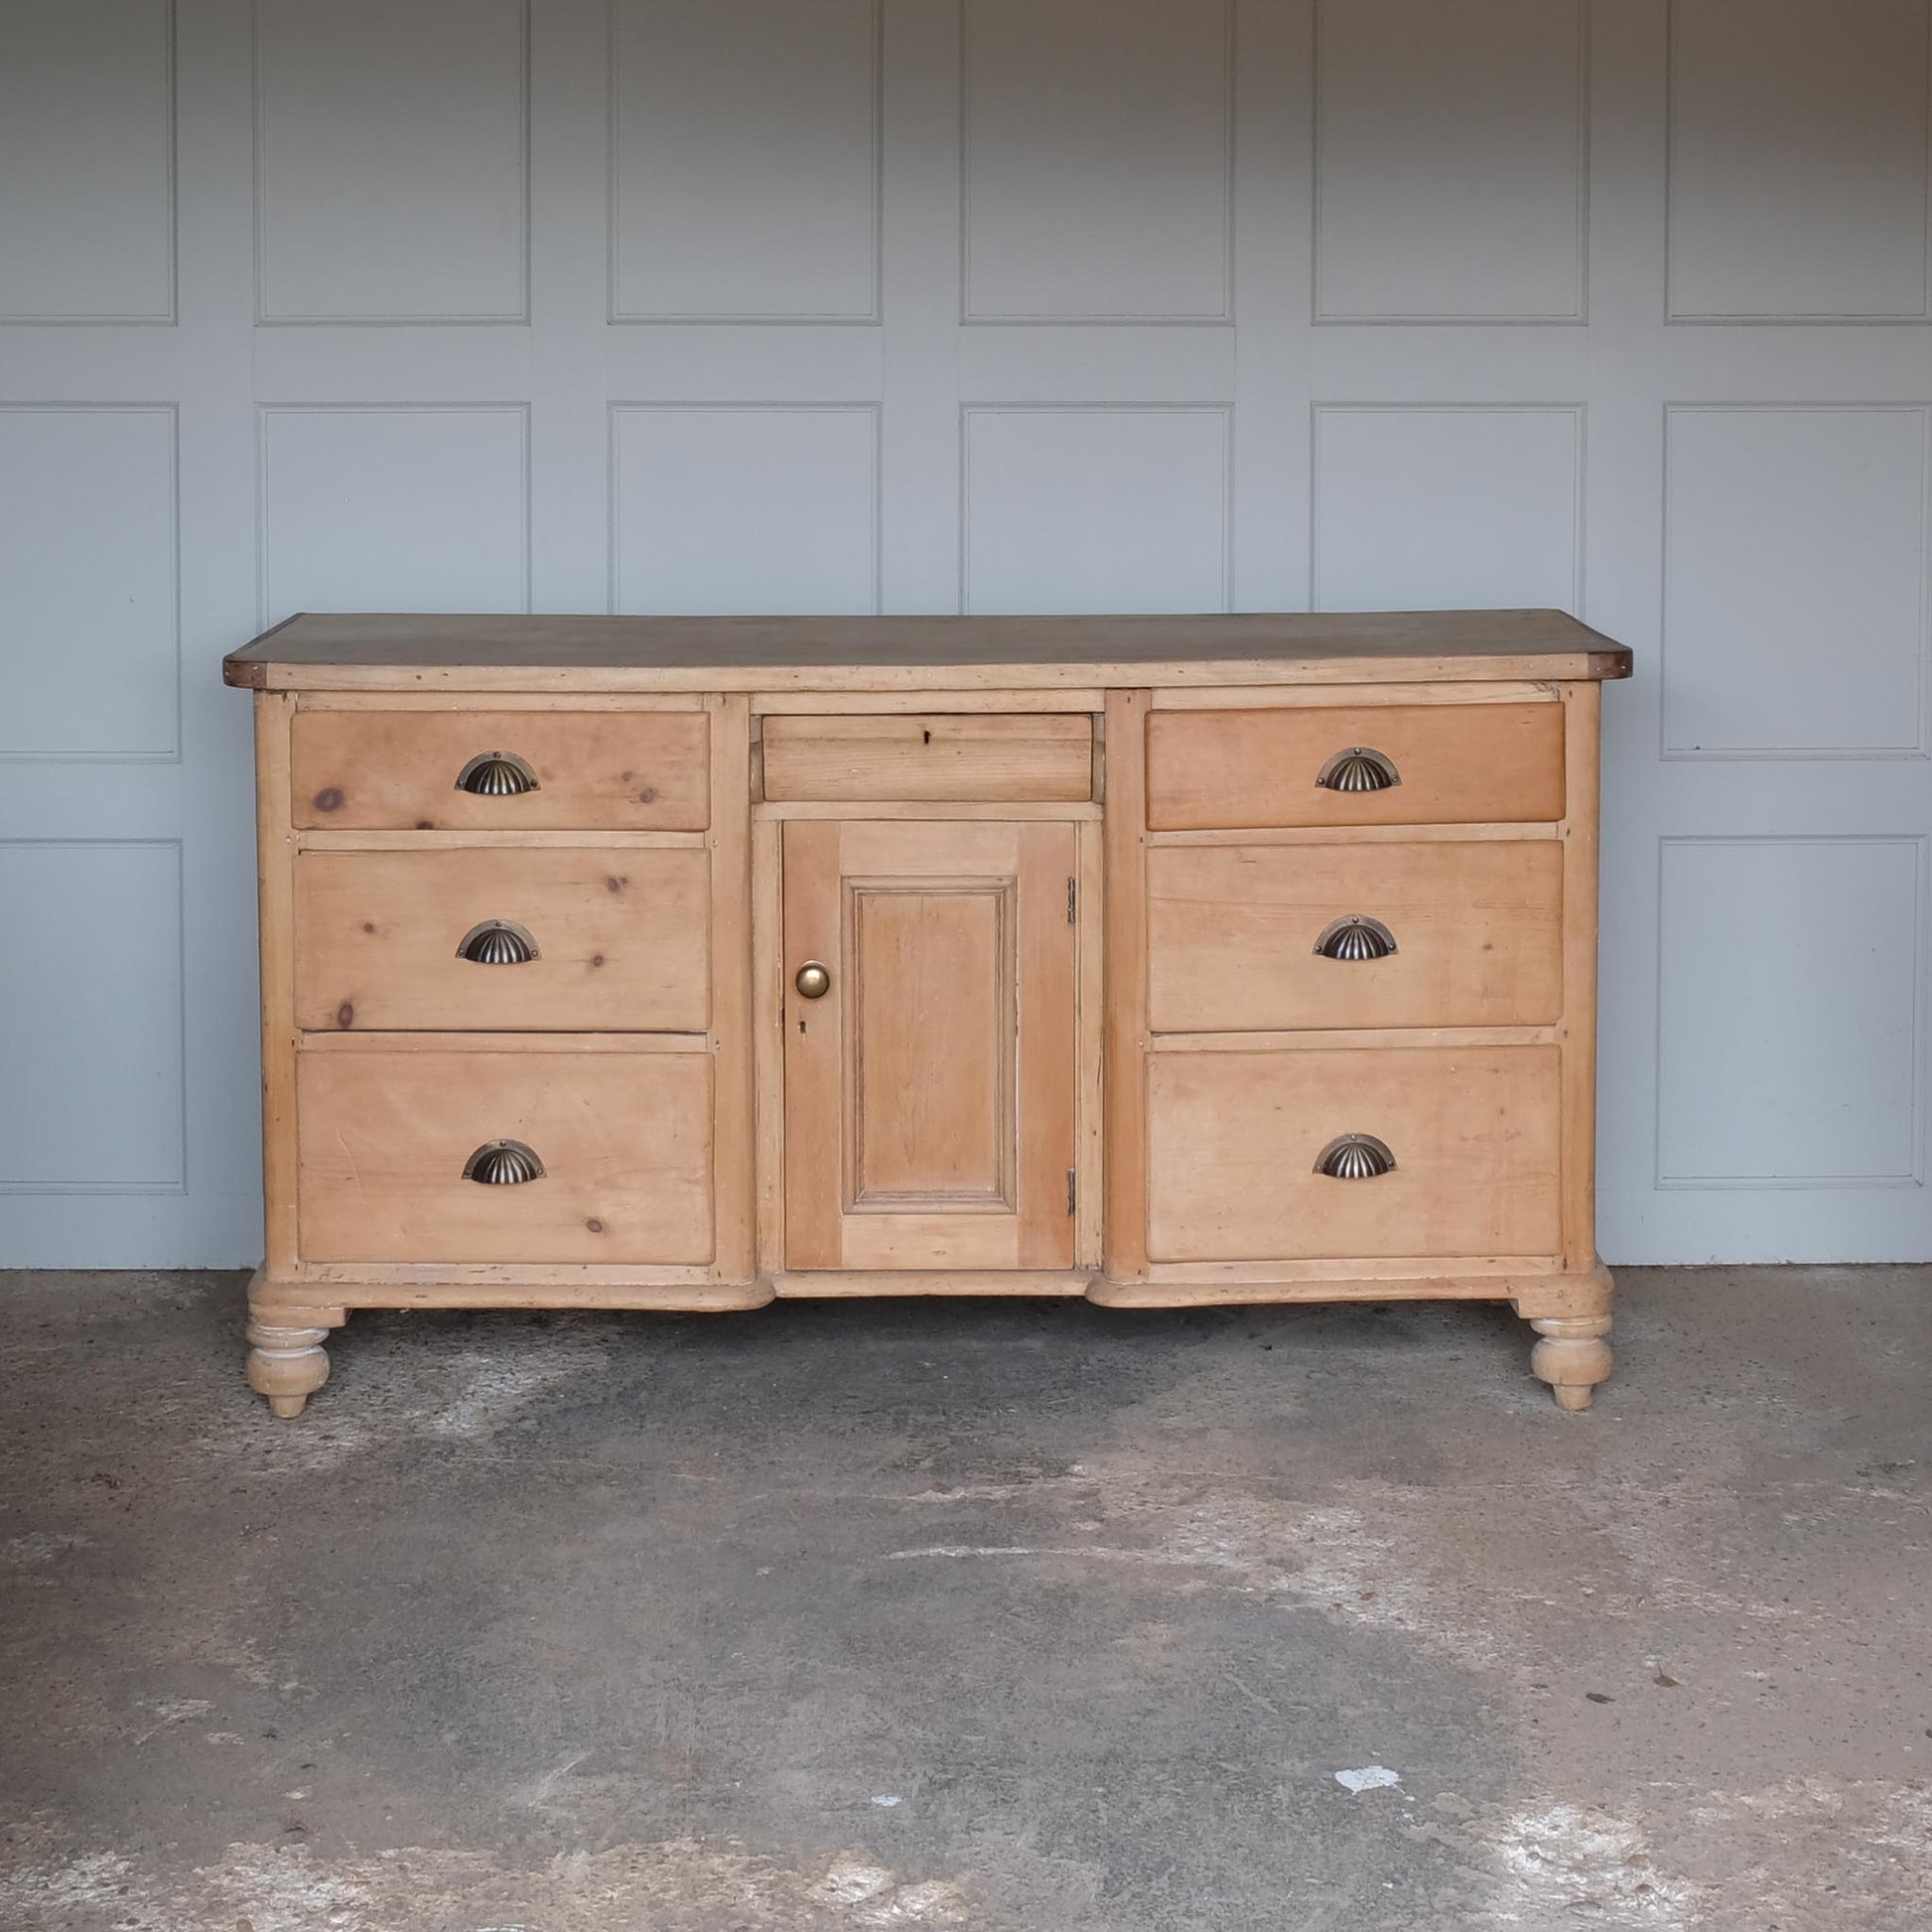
(982, 1616)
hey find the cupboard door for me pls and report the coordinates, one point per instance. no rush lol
(930, 1086)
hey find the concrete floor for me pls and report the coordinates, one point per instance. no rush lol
(984, 1615)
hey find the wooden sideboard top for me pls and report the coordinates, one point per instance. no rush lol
(316, 652)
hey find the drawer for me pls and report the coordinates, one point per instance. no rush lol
(578, 770)
(384, 1132)
(1233, 1142)
(943, 756)
(620, 937)
(1245, 937)
(1419, 764)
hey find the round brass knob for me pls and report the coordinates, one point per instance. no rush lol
(813, 981)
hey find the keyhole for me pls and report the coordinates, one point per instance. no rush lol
(927, 735)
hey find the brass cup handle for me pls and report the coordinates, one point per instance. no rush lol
(498, 942)
(1355, 937)
(1355, 1157)
(812, 981)
(504, 1164)
(1358, 768)
(497, 775)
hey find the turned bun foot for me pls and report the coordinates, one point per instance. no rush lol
(287, 1364)
(1572, 1356)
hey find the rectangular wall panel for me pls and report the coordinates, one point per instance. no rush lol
(392, 159)
(1428, 508)
(394, 509)
(745, 157)
(1791, 1031)
(745, 510)
(1098, 143)
(1106, 508)
(1795, 579)
(1798, 159)
(87, 158)
(88, 583)
(1450, 161)
(94, 1083)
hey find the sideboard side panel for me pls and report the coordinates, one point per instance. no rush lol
(732, 1162)
(1583, 758)
(275, 860)
(1125, 970)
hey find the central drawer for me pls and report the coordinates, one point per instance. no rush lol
(1287, 937)
(620, 1136)
(942, 757)
(489, 938)
(1235, 1141)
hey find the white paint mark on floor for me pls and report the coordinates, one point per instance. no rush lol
(40, 1546)
(170, 1710)
(849, 1883)
(1074, 1552)
(1351, 1563)
(495, 1388)
(452, 1393)
(1575, 1859)
(1371, 1777)
(683, 1885)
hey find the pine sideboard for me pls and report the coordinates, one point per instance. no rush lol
(686, 963)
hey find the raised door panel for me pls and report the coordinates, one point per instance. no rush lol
(1788, 532)
(415, 505)
(744, 509)
(1797, 145)
(87, 151)
(1444, 506)
(1094, 507)
(89, 577)
(1097, 160)
(744, 161)
(391, 158)
(1449, 162)
(929, 1093)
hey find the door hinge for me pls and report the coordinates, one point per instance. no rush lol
(1072, 1189)
(1073, 902)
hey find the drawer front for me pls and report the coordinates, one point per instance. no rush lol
(592, 770)
(1233, 1142)
(1385, 765)
(945, 757)
(492, 939)
(623, 1137)
(1283, 937)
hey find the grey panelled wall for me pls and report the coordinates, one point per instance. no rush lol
(987, 304)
